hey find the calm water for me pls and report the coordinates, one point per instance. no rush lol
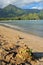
(32, 27)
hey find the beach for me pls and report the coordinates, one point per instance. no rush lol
(14, 37)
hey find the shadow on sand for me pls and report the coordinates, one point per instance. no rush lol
(38, 55)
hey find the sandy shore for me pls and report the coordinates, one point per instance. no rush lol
(10, 37)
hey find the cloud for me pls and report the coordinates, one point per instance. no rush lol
(24, 2)
(19, 3)
(36, 7)
(5, 2)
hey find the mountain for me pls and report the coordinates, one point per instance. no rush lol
(11, 11)
(32, 10)
(0, 9)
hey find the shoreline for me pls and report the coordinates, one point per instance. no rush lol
(18, 29)
(12, 35)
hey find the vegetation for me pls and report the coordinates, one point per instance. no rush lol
(12, 12)
(41, 14)
(31, 16)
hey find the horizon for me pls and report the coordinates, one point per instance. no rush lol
(24, 4)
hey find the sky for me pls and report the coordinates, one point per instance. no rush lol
(24, 4)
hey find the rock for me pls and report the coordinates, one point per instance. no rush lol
(41, 60)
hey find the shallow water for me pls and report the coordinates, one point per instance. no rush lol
(30, 26)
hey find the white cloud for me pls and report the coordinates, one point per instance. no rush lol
(6, 2)
(18, 3)
(37, 7)
(24, 2)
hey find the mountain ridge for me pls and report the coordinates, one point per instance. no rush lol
(13, 11)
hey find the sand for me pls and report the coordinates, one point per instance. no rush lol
(13, 37)
(34, 42)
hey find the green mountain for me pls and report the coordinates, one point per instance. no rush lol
(11, 11)
(32, 11)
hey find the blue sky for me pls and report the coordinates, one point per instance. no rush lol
(34, 5)
(24, 4)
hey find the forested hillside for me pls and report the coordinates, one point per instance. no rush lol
(14, 13)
